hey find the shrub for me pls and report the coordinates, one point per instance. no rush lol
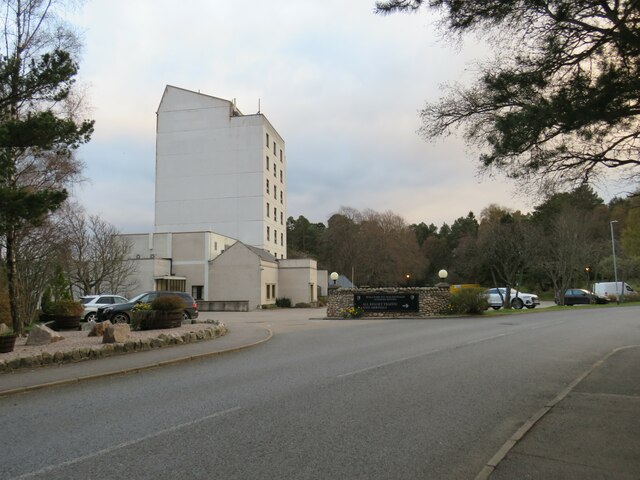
(65, 308)
(283, 302)
(470, 301)
(167, 303)
(352, 312)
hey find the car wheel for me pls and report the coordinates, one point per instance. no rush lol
(530, 306)
(91, 317)
(120, 318)
(517, 303)
(496, 308)
(185, 316)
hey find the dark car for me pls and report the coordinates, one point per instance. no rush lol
(121, 313)
(579, 296)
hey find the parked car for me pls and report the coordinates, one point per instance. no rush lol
(580, 296)
(121, 313)
(518, 299)
(91, 303)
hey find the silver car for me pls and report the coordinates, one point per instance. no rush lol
(92, 302)
(518, 299)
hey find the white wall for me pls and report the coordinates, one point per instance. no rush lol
(298, 280)
(235, 276)
(211, 170)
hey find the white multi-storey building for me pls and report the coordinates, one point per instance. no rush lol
(220, 209)
(219, 170)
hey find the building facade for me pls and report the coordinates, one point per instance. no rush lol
(220, 209)
(219, 170)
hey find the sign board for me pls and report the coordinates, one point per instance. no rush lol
(384, 302)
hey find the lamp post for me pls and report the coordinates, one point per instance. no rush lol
(334, 276)
(613, 249)
(443, 274)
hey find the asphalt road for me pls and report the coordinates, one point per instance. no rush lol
(392, 399)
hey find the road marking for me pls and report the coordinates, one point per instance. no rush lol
(380, 365)
(126, 444)
(438, 350)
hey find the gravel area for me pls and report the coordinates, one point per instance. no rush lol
(74, 340)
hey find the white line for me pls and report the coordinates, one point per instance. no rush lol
(380, 365)
(125, 444)
(424, 354)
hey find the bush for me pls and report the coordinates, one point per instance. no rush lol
(167, 303)
(470, 301)
(283, 302)
(64, 308)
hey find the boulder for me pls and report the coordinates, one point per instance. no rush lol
(98, 329)
(43, 335)
(118, 333)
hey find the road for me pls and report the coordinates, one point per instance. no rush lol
(382, 399)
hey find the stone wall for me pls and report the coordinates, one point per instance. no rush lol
(431, 301)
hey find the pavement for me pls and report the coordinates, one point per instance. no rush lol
(590, 430)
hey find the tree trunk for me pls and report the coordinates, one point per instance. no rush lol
(12, 280)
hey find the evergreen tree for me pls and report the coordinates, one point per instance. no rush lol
(561, 102)
(38, 136)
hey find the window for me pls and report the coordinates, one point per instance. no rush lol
(267, 185)
(281, 197)
(268, 163)
(196, 292)
(268, 233)
(271, 290)
(274, 147)
(282, 239)
(275, 192)
(215, 246)
(275, 236)
(274, 169)
(281, 218)
(267, 140)
(281, 175)
(275, 214)
(268, 209)
(280, 155)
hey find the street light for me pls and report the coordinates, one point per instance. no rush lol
(334, 276)
(443, 276)
(613, 248)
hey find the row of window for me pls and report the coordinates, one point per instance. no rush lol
(275, 192)
(275, 214)
(274, 147)
(275, 236)
(275, 169)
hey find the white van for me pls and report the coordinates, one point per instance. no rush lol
(609, 288)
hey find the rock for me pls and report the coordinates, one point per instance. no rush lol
(118, 333)
(98, 329)
(4, 329)
(43, 335)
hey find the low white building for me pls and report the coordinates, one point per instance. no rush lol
(220, 272)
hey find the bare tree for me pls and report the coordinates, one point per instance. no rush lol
(97, 257)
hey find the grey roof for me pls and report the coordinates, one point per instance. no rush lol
(263, 254)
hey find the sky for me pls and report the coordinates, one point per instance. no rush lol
(342, 85)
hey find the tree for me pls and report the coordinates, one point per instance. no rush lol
(38, 133)
(97, 257)
(379, 248)
(561, 102)
(303, 238)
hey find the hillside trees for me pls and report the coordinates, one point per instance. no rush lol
(38, 132)
(561, 102)
(376, 249)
